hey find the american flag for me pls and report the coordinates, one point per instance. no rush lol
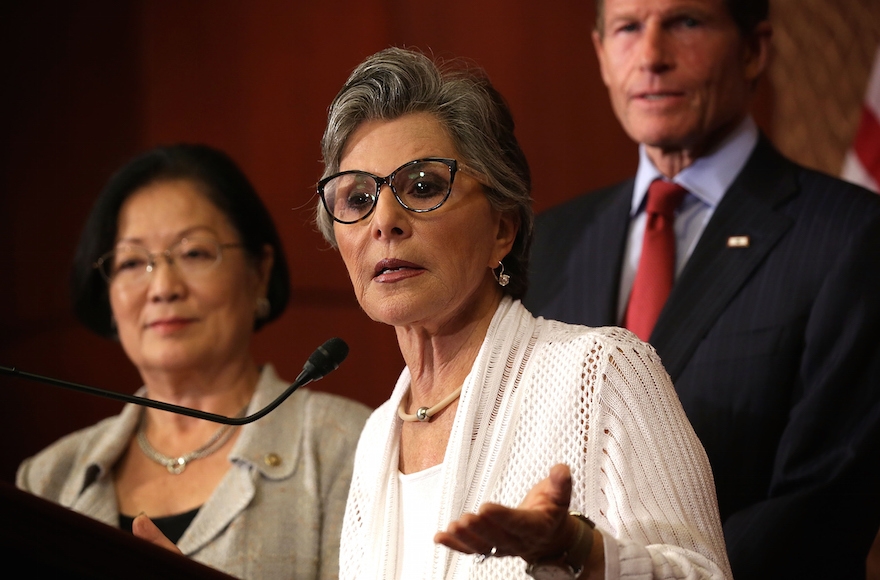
(862, 162)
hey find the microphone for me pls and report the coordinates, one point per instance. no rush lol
(323, 361)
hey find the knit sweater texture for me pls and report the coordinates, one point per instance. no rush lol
(542, 392)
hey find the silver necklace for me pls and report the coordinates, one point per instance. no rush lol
(176, 465)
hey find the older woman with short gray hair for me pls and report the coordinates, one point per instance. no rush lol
(511, 447)
(470, 110)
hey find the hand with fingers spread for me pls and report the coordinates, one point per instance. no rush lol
(539, 529)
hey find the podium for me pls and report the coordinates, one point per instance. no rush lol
(40, 539)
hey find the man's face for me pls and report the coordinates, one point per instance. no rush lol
(679, 73)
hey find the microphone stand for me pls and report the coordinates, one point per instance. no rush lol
(324, 360)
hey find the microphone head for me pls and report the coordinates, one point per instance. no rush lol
(325, 359)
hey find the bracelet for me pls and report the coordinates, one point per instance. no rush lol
(579, 552)
(572, 562)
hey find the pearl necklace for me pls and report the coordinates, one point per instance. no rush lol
(176, 465)
(425, 413)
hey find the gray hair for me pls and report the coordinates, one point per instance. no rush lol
(395, 82)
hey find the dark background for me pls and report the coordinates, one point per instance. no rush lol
(87, 85)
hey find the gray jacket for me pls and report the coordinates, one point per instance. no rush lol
(277, 513)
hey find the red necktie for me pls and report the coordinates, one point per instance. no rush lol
(656, 271)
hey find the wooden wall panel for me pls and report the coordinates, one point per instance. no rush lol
(70, 89)
(97, 84)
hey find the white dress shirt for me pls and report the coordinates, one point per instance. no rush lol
(706, 180)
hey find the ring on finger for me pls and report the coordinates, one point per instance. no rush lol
(482, 557)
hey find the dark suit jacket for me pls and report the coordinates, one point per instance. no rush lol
(774, 350)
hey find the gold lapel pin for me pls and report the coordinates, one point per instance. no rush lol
(738, 242)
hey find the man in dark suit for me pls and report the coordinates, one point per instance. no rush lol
(771, 330)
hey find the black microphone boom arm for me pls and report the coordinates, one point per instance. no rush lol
(325, 359)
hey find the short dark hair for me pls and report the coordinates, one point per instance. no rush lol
(223, 183)
(747, 14)
(395, 82)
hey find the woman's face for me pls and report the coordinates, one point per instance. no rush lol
(430, 270)
(179, 318)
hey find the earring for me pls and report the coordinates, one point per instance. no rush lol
(263, 307)
(502, 278)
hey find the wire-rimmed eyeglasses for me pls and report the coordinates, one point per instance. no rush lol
(131, 264)
(420, 186)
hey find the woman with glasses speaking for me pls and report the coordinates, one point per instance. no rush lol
(511, 447)
(180, 262)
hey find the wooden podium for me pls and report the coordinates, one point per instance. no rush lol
(40, 539)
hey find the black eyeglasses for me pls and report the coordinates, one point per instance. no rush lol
(420, 186)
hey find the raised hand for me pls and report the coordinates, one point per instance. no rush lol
(539, 528)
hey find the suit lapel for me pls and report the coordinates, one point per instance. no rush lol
(601, 269)
(577, 256)
(715, 273)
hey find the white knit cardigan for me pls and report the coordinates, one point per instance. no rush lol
(542, 392)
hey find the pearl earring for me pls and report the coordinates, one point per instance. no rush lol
(263, 307)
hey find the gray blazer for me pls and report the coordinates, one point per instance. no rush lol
(266, 518)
